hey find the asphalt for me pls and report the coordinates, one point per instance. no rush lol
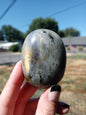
(9, 58)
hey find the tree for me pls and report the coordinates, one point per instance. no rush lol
(36, 24)
(18, 35)
(9, 33)
(40, 23)
(61, 33)
(1, 35)
(71, 32)
(4, 32)
(51, 24)
(12, 34)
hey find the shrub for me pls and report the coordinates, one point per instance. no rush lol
(68, 48)
(80, 48)
(14, 48)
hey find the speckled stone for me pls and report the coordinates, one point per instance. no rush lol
(43, 58)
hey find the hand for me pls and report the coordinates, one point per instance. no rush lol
(15, 97)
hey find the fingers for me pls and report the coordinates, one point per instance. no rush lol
(13, 96)
(12, 87)
(48, 101)
(31, 106)
(25, 93)
(60, 108)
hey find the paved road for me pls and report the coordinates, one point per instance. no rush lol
(9, 58)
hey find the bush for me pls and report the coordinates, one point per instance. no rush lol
(68, 48)
(80, 48)
(14, 48)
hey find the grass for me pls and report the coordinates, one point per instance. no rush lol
(2, 73)
(73, 83)
(84, 86)
(77, 56)
(68, 81)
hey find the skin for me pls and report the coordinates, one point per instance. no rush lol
(15, 98)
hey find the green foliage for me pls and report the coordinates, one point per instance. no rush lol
(61, 33)
(11, 34)
(51, 24)
(36, 24)
(40, 23)
(14, 48)
(71, 32)
(68, 48)
(1, 35)
(77, 56)
(80, 48)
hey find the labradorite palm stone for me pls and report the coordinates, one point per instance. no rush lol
(43, 58)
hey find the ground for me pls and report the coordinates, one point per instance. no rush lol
(73, 83)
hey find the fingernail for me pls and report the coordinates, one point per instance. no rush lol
(66, 106)
(55, 88)
(54, 93)
(65, 110)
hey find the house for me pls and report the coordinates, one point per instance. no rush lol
(5, 45)
(75, 42)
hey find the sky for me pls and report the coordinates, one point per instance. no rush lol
(68, 13)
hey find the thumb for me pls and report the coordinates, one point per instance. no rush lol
(48, 101)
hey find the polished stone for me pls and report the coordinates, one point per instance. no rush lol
(43, 58)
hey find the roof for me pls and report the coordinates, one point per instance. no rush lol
(74, 40)
(7, 45)
(3, 42)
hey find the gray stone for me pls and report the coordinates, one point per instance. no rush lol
(43, 58)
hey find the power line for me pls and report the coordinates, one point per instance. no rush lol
(66, 9)
(63, 10)
(7, 9)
